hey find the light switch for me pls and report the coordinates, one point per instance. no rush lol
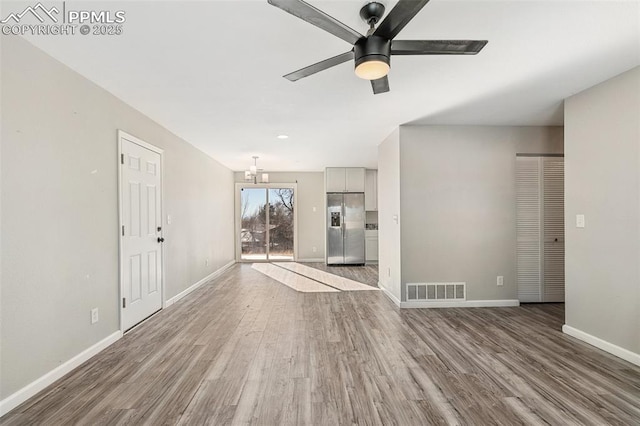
(168, 219)
(395, 218)
(579, 221)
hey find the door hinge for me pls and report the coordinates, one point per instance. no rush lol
(121, 158)
(123, 230)
(124, 302)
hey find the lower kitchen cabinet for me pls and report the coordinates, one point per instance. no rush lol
(371, 246)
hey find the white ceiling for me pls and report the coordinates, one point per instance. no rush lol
(210, 71)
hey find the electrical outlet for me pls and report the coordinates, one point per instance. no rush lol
(206, 262)
(314, 249)
(500, 280)
(389, 271)
(94, 316)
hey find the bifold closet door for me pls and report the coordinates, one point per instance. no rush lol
(540, 228)
(528, 190)
(553, 229)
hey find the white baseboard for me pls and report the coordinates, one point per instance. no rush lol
(17, 398)
(616, 350)
(193, 287)
(390, 295)
(311, 260)
(460, 304)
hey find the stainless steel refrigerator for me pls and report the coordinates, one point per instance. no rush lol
(345, 228)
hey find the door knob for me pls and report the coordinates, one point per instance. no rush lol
(160, 240)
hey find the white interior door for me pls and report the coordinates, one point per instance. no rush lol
(141, 230)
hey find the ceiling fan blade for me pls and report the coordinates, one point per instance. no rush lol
(400, 15)
(316, 17)
(380, 85)
(320, 66)
(437, 47)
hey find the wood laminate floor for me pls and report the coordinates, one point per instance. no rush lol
(249, 350)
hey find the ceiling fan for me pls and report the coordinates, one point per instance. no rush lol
(372, 52)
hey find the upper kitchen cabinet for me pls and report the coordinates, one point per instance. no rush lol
(345, 179)
(354, 179)
(371, 190)
(335, 179)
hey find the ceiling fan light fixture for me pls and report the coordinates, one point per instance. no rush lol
(372, 70)
(372, 51)
(371, 56)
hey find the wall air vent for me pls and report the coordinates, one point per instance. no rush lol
(436, 291)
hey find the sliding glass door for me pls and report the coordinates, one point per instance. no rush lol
(267, 216)
(280, 219)
(253, 235)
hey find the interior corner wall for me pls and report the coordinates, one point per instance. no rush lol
(309, 211)
(602, 182)
(389, 225)
(59, 220)
(458, 203)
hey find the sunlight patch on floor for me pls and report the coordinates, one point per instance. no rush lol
(292, 280)
(308, 280)
(335, 281)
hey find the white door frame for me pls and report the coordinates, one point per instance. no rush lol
(124, 135)
(238, 224)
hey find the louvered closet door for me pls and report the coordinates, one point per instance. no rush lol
(553, 227)
(540, 228)
(529, 256)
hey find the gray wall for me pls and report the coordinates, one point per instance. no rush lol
(458, 203)
(602, 181)
(59, 225)
(311, 224)
(389, 249)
